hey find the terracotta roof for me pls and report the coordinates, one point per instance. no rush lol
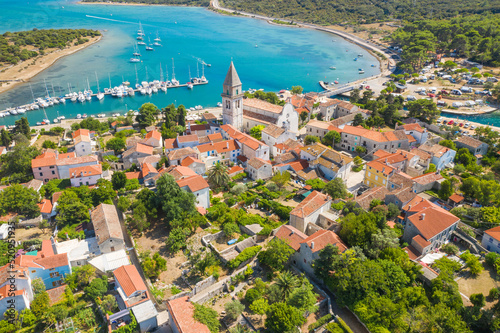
(309, 205)
(330, 102)
(402, 179)
(199, 127)
(411, 139)
(5, 292)
(77, 160)
(273, 130)
(421, 241)
(322, 238)
(308, 173)
(81, 138)
(288, 145)
(189, 160)
(43, 161)
(56, 294)
(81, 131)
(433, 220)
(133, 174)
(404, 195)
(106, 223)
(56, 196)
(66, 155)
(179, 172)
(316, 149)
(242, 138)
(261, 105)
(435, 149)
(427, 178)
(421, 153)
(257, 163)
(381, 167)
(291, 235)
(201, 210)
(220, 147)
(259, 117)
(45, 206)
(85, 171)
(320, 124)
(346, 105)
(374, 135)
(2, 149)
(182, 312)
(194, 183)
(54, 261)
(208, 116)
(187, 138)
(235, 169)
(413, 127)
(154, 134)
(364, 200)
(494, 232)
(381, 153)
(170, 144)
(152, 159)
(413, 254)
(468, 141)
(216, 137)
(457, 198)
(129, 279)
(181, 153)
(146, 169)
(299, 165)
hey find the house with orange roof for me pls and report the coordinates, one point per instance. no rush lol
(16, 277)
(272, 135)
(199, 187)
(429, 228)
(194, 164)
(250, 147)
(419, 133)
(312, 246)
(153, 139)
(170, 144)
(185, 141)
(235, 170)
(309, 210)
(330, 164)
(377, 174)
(181, 317)
(258, 112)
(147, 174)
(328, 108)
(287, 146)
(357, 136)
(45, 208)
(224, 152)
(491, 240)
(198, 129)
(259, 169)
(3, 150)
(320, 128)
(53, 165)
(176, 156)
(51, 268)
(83, 144)
(441, 156)
(178, 172)
(130, 286)
(85, 175)
(132, 155)
(10, 300)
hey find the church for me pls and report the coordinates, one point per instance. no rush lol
(246, 113)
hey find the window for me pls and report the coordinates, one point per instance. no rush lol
(376, 177)
(53, 172)
(305, 261)
(112, 249)
(39, 168)
(383, 181)
(490, 240)
(236, 91)
(41, 174)
(51, 167)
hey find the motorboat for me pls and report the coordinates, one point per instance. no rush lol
(135, 59)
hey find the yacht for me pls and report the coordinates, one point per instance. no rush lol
(12, 112)
(156, 44)
(62, 100)
(84, 116)
(190, 85)
(21, 110)
(333, 68)
(219, 104)
(149, 47)
(140, 38)
(361, 71)
(141, 43)
(157, 39)
(135, 59)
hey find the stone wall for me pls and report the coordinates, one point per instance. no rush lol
(36, 221)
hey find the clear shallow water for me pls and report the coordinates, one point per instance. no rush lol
(284, 57)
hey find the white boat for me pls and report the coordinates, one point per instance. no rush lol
(149, 47)
(84, 116)
(62, 100)
(21, 110)
(116, 114)
(141, 43)
(78, 116)
(12, 112)
(135, 59)
(219, 104)
(157, 39)
(156, 44)
(190, 85)
(55, 120)
(333, 67)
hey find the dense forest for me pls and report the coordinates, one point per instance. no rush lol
(476, 37)
(200, 3)
(337, 11)
(12, 44)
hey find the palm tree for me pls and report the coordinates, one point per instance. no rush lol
(218, 175)
(286, 282)
(240, 329)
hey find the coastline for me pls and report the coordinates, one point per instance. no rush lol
(46, 61)
(133, 4)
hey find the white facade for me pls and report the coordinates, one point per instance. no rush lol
(203, 197)
(86, 180)
(83, 148)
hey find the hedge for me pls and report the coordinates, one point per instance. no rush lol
(320, 322)
(246, 254)
(342, 323)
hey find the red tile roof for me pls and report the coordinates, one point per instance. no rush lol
(235, 169)
(215, 137)
(179, 172)
(45, 206)
(85, 171)
(5, 292)
(81, 131)
(261, 105)
(433, 220)
(181, 153)
(413, 127)
(428, 178)
(170, 144)
(494, 232)
(187, 138)
(146, 169)
(381, 167)
(299, 165)
(309, 205)
(457, 198)
(129, 279)
(190, 160)
(56, 294)
(257, 163)
(182, 312)
(133, 174)
(154, 134)
(291, 235)
(106, 223)
(322, 238)
(421, 241)
(145, 149)
(194, 183)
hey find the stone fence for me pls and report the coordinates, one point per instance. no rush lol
(36, 222)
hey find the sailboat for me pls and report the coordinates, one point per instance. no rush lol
(99, 95)
(140, 32)
(46, 120)
(149, 47)
(190, 84)
(136, 51)
(174, 81)
(203, 78)
(157, 39)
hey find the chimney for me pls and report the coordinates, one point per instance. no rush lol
(312, 245)
(422, 217)
(293, 232)
(227, 145)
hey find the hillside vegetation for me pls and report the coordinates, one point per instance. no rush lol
(337, 11)
(476, 37)
(23, 45)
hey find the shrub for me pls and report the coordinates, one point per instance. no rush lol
(342, 323)
(478, 300)
(245, 255)
(491, 257)
(450, 249)
(207, 316)
(494, 294)
(334, 328)
(320, 322)
(175, 290)
(252, 295)
(472, 262)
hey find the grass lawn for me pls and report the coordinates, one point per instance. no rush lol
(482, 283)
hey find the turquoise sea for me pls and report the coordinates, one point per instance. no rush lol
(266, 56)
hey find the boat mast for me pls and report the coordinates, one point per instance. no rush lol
(97, 80)
(173, 69)
(189, 71)
(197, 70)
(53, 92)
(147, 78)
(109, 78)
(32, 95)
(136, 77)
(166, 68)
(161, 73)
(46, 89)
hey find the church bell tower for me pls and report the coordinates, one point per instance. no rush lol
(232, 99)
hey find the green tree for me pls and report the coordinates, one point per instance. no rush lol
(96, 288)
(38, 286)
(432, 168)
(477, 300)
(71, 210)
(446, 190)
(40, 304)
(316, 184)
(281, 178)
(472, 263)
(256, 131)
(230, 229)
(358, 120)
(354, 96)
(276, 254)
(423, 109)
(234, 309)
(448, 143)
(282, 318)
(147, 114)
(330, 138)
(297, 90)
(22, 126)
(153, 266)
(260, 306)
(304, 115)
(327, 262)
(21, 200)
(116, 144)
(465, 157)
(336, 189)
(218, 176)
(358, 230)
(174, 202)
(176, 240)
(109, 304)
(304, 298)
(103, 193)
(119, 179)
(16, 164)
(207, 316)
(49, 144)
(310, 139)
(286, 282)
(80, 276)
(5, 139)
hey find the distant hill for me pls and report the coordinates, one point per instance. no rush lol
(338, 11)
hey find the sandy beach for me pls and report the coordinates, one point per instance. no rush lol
(25, 70)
